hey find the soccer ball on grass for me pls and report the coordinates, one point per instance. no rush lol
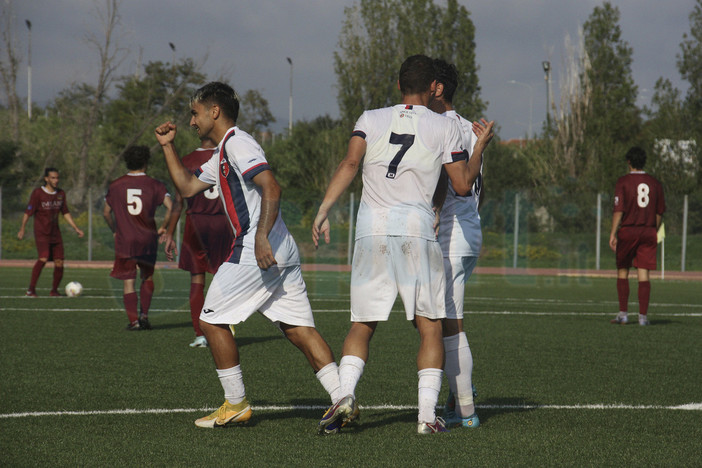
(73, 289)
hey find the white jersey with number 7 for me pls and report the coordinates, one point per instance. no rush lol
(406, 147)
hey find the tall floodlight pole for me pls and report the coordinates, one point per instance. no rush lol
(29, 70)
(547, 77)
(291, 97)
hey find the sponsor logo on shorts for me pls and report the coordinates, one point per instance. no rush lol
(207, 311)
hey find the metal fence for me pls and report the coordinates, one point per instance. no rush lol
(509, 242)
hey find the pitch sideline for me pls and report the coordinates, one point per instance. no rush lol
(601, 406)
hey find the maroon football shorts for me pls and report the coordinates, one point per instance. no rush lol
(636, 245)
(49, 250)
(125, 268)
(205, 250)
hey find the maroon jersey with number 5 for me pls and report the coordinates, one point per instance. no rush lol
(640, 197)
(134, 199)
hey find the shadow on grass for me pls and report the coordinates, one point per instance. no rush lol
(167, 326)
(661, 322)
(313, 409)
(496, 406)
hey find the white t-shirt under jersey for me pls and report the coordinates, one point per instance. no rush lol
(406, 147)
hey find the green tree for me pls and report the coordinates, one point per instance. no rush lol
(613, 121)
(690, 67)
(9, 62)
(111, 56)
(376, 37)
(254, 113)
(161, 93)
(304, 164)
(690, 64)
(563, 177)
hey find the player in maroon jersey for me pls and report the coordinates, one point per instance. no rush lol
(130, 206)
(207, 240)
(638, 210)
(45, 203)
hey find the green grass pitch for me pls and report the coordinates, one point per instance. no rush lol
(557, 384)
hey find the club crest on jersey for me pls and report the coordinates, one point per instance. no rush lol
(224, 167)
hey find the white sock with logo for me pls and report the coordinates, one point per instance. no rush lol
(428, 393)
(233, 384)
(350, 372)
(328, 376)
(459, 369)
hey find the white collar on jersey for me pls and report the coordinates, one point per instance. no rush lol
(43, 187)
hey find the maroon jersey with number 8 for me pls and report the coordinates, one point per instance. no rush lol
(640, 197)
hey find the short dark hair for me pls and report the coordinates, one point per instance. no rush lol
(137, 157)
(636, 157)
(447, 75)
(221, 94)
(48, 170)
(416, 74)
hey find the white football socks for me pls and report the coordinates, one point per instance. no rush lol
(459, 370)
(428, 393)
(328, 376)
(233, 384)
(350, 372)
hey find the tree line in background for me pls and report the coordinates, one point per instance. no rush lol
(576, 155)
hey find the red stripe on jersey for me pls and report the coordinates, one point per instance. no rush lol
(227, 194)
(254, 167)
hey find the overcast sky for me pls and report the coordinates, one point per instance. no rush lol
(247, 41)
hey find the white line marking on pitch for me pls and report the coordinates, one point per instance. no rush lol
(346, 311)
(684, 407)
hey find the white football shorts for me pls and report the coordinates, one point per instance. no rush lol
(458, 270)
(385, 265)
(237, 291)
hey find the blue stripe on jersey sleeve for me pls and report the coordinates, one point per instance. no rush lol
(198, 171)
(459, 155)
(359, 133)
(254, 171)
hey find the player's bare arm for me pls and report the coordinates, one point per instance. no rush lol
(439, 198)
(107, 214)
(170, 246)
(463, 174)
(342, 178)
(20, 233)
(168, 203)
(270, 204)
(72, 223)
(185, 181)
(616, 221)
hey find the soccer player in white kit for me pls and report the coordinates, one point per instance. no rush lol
(403, 148)
(460, 238)
(263, 271)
